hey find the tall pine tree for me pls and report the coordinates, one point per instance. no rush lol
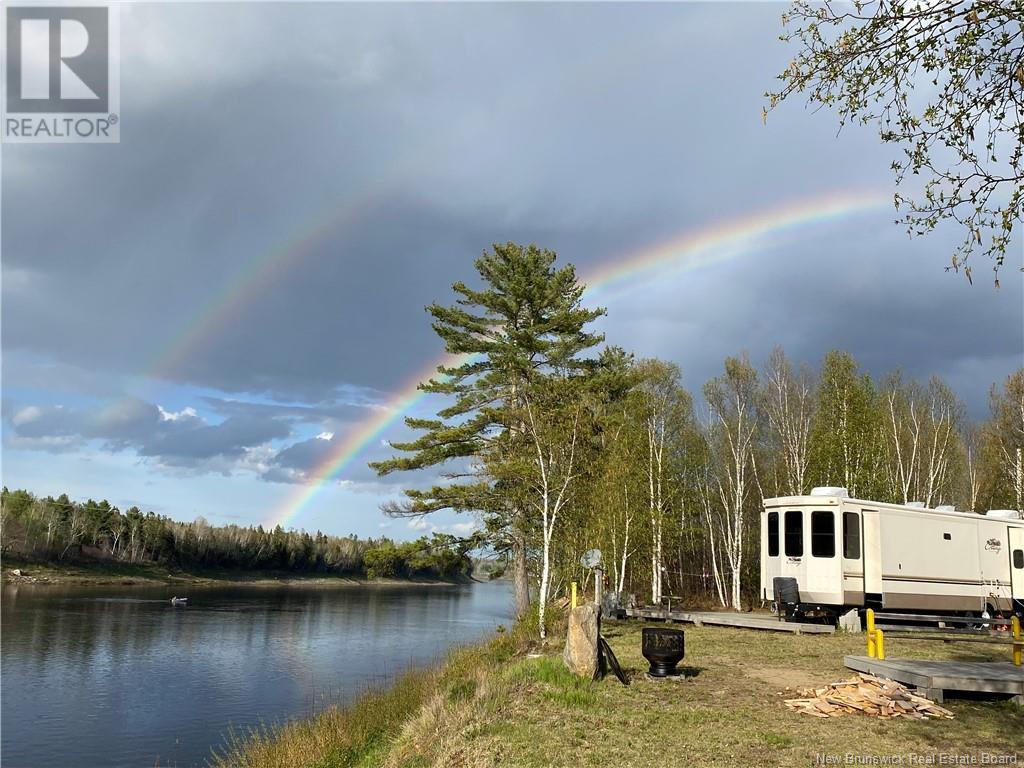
(524, 327)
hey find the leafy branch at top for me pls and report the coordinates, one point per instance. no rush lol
(943, 81)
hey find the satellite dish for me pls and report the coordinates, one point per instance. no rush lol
(591, 558)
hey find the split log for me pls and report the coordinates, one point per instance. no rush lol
(867, 694)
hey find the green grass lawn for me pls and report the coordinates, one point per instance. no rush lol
(513, 703)
(730, 711)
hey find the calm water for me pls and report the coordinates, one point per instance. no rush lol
(116, 676)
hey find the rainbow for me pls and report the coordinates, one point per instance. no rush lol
(223, 307)
(355, 440)
(718, 242)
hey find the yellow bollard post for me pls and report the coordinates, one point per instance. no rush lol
(1018, 644)
(870, 616)
(572, 600)
(880, 644)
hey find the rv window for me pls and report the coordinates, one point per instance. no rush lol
(823, 534)
(794, 533)
(773, 534)
(851, 535)
(1018, 558)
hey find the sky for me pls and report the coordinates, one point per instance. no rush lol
(195, 317)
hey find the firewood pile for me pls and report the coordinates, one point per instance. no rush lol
(867, 695)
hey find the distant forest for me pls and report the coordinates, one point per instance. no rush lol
(60, 530)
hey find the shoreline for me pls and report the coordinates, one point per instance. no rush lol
(372, 730)
(509, 700)
(18, 572)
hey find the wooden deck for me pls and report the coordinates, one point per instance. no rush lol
(714, 618)
(936, 678)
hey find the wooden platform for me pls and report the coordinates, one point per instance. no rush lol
(744, 620)
(936, 678)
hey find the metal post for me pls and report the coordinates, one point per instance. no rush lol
(598, 586)
(870, 617)
(1018, 644)
(572, 600)
(880, 644)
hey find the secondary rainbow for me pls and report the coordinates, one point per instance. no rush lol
(224, 307)
(721, 241)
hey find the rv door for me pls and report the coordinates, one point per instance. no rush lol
(853, 557)
(1016, 539)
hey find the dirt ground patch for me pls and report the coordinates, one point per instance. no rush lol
(783, 677)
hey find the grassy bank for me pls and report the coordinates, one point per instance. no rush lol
(390, 726)
(127, 574)
(503, 704)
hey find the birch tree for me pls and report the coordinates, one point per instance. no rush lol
(707, 492)
(732, 430)
(846, 438)
(943, 414)
(666, 410)
(617, 491)
(787, 399)
(971, 439)
(942, 81)
(551, 433)
(1003, 445)
(922, 427)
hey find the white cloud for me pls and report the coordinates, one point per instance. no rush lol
(25, 415)
(185, 413)
(51, 443)
(461, 529)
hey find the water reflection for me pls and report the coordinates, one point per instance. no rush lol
(120, 677)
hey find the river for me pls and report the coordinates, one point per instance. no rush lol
(117, 677)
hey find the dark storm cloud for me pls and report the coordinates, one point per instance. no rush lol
(123, 422)
(405, 139)
(423, 134)
(877, 295)
(298, 463)
(327, 414)
(294, 462)
(230, 438)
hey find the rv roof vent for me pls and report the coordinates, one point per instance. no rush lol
(917, 504)
(945, 508)
(829, 490)
(1011, 514)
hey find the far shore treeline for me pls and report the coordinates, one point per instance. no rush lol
(60, 530)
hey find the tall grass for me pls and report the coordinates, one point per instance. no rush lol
(338, 738)
(556, 682)
(363, 733)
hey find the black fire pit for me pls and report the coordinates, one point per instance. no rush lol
(663, 648)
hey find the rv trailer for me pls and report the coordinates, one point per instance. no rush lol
(826, 553)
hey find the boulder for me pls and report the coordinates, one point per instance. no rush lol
(580, 653)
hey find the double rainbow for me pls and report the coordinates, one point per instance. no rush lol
(690, 250)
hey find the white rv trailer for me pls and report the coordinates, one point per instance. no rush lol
(827, 553)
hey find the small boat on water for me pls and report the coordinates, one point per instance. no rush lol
(179, 601)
